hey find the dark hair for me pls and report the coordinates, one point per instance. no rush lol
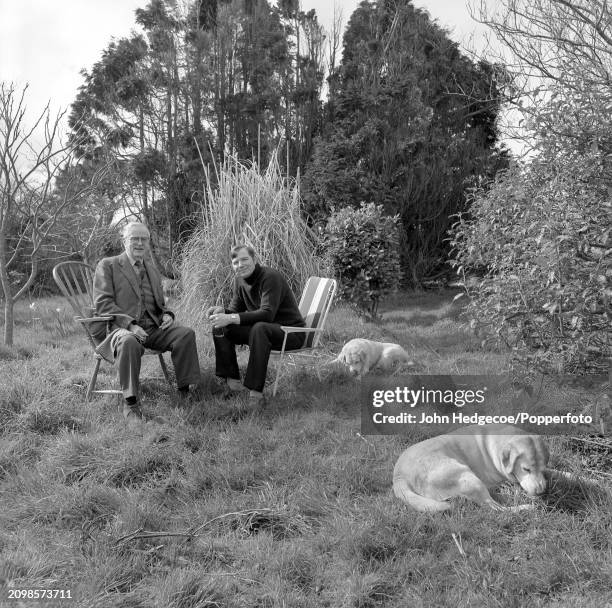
(236, 248)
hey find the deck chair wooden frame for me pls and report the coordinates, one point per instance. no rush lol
(314, 306)
(75, 281)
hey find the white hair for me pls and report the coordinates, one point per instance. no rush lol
(127, 229)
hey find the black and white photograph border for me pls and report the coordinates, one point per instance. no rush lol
(395, 214)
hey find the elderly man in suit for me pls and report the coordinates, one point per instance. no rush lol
(128, 287)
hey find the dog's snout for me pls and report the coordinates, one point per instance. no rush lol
(534, 486)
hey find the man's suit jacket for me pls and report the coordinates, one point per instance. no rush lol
(117, 293)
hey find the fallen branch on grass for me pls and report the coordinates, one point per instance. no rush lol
(600, 444)
(191, 532)
(596, 472)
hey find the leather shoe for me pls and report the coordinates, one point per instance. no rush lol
(132, 413)
(256, 403)
(229, 392)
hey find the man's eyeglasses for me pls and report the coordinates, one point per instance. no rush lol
(135, 239)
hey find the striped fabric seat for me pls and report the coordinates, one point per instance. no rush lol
(75, 281)
(314, 306)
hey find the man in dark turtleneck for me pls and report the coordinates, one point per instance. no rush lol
(261, 303)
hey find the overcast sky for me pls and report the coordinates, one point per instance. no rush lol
(47, 44)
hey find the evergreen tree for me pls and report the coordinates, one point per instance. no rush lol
(206, 79)
(412, 123)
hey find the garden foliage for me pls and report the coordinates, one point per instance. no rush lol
(363, 246)
(542, 236)
(410, 122)
(541, 233)
(199, 80)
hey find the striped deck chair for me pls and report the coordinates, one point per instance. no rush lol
(75, 281)
(314, 305)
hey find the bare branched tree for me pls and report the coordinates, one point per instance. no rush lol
(551, 47)
(32, 157)
(555, 40)
(334, 40)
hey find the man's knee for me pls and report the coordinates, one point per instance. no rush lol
(261, 328)
(259, 331)
(129, 345)
(188, 333)
(184, 335)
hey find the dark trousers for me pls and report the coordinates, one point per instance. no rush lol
(261, 338)
(180, 341)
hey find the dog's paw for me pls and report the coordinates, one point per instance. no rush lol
(525, 507)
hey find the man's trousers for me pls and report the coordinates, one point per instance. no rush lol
(261, 338)
(180, 341)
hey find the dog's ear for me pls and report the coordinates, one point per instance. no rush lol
(341, 358)
(540, 449)
(508, 457)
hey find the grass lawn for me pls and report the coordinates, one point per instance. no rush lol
(290, 508)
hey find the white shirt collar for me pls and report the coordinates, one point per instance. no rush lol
(131, 259)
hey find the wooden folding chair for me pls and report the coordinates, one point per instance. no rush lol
(314, 306)
(75, 281)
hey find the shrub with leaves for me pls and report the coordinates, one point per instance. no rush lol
(363, 246)
(541, 234)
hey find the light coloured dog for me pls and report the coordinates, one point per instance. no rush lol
(361, 355)
(468, 462)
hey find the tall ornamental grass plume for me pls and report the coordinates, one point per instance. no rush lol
(244, 205)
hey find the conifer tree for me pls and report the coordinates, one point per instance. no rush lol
(411, 125)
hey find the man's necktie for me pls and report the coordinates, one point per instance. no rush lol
(140, 270)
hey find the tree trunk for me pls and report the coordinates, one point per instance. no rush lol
(9, 321)
(145, 202)
(7, 292)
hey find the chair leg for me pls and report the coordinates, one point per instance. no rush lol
(164, 369)
(278, 373)
(92, 381)
(318, 371)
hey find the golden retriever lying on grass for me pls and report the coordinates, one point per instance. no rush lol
(361, 355)
(468, 462)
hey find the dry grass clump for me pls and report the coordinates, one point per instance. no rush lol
(262, 210)
(100, 458)
(573, 493)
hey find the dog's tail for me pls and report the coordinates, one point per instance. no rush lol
(416, 501)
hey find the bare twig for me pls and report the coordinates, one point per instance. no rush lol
(458, 543)
(591, 442)
(364, 439)
(189, 533)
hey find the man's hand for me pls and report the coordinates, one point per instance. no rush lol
(139, 332)
(219, 320)
(167, 321)
(214, 310)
